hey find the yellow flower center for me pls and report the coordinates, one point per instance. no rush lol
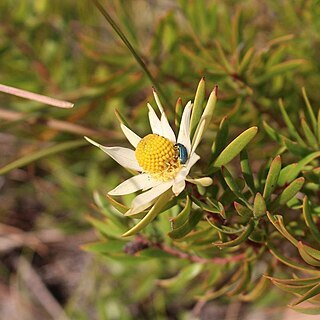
(158, 156)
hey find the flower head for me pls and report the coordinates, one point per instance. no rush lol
(162, 159)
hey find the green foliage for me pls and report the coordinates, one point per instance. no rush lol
(257, 225)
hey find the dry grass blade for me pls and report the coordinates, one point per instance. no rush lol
(35, 97)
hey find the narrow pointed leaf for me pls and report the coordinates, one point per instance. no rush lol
(188, 226)
(292, 174)
(309, 310)
(306, 256)
(178, 114)
(272, 177)
(119, 206)
(295, 147)
(213, 208)
(291, 127)
(235, 147)
(246, 60)
(285, 173)
(297, 282)
(221, 139)
(309, 220)
(308, 295)
(197, 106)
(242, 210)
(257, 291)
(244, 280)
(242, 237)
(184, 276)
(151, 215)
(259, 206)
(279, 69)
(225, 229)
(291, 263)
(234, 187)
(246, 170)
(273, 134)
(182, 217)
(311, 139)
(310, 111)
(288, 193)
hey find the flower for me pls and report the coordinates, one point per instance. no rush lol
(162, 159)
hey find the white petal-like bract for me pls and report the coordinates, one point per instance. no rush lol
(132, 137)
(123, 156)
(155, 123)
(146, 199)
(139, 182)
(184, 131)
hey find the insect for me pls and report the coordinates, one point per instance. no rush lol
(182, 152)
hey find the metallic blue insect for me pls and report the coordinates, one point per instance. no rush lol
(183, 152)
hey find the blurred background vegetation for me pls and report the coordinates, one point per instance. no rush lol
(256, 51)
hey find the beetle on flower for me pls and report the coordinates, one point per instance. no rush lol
(162, 159)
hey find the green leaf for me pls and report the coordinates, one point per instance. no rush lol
(225, 229)
(215, 294)
(296, 289)
(178, 114)
(290, 263)
(206, 116)
(242, 210)
(277, 222)
(288, 193)
(235, 147)
(295, 147)
(107, 228)
(244, 280)
(273, 134)
(197, 106)
(151, 215)
(105, 247)
(246, 60)
(303, 281)
(258, 290)
(186, 274)
(246, 170)
(259, 206)
(242, 237)
(308, 295)
(306, 256)
(234, 187)
(309, 220)
(211, 207)
(272, 177)
(222, 58)
(221, 139)
(182, 217)
(295, 170)
(285, 172)
(311, 139)
(188, 226)
(310, 111)
(279, 69)
(119, 206)
(46, 152)
(309, 310)
(121, 118)
(290, 125)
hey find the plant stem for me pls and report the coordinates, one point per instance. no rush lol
(135, 54)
